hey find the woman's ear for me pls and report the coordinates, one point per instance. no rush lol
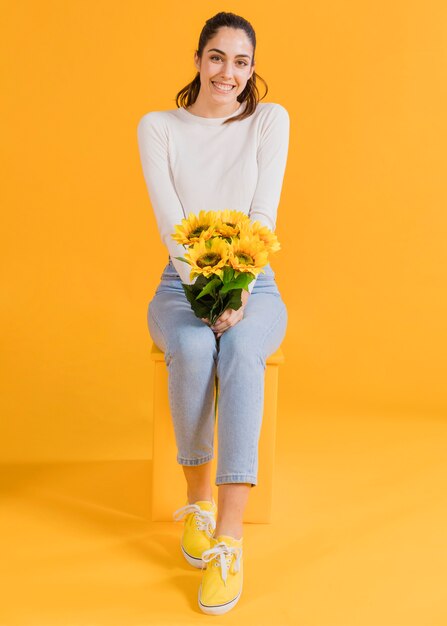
(252, 70)
(196, 61)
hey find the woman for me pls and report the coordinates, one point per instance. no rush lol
(219, 149)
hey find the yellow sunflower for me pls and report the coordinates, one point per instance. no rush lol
(229, 222)
(266, 235)
(207, 257)
(195, 228)
(248, 254)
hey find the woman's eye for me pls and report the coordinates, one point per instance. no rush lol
(216, 57)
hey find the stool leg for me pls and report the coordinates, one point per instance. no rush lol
(164, 449)
(259, 508)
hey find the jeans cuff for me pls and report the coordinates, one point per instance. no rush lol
(183, 461)
(237, 478)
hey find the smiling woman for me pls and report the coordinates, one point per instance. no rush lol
(227, 73)
(221, 149)
(230, 72)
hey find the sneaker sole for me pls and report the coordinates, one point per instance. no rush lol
(218, 609)
(192, 560)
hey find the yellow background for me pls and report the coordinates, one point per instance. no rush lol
(362, 218)
(358, 536)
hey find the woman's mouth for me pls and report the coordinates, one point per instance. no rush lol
(222, 87)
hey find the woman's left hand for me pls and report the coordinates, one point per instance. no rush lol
(230, 317)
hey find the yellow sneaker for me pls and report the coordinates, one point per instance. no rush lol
(221, 585)
(199, 526)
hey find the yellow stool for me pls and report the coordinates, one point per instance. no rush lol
(168, 480)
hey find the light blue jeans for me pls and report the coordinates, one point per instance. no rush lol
(194, 358)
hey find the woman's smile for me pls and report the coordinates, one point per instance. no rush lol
(222, 87)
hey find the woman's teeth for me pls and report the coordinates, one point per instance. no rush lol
(222, 87)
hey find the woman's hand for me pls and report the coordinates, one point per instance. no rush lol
(229, 317)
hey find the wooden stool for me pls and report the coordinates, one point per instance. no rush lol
(168, 480)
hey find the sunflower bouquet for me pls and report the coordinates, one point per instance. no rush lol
(226, 251)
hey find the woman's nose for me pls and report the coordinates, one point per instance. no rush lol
(227, 71)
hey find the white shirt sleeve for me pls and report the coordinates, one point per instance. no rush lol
(153, 147)
(272, 159)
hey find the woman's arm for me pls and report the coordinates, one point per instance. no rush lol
(153, 146)
(272, 159)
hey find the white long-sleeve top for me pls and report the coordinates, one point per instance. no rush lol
(193, 163)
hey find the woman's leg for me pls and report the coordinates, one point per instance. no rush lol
(241, 364)
(198, 479)
(190, 350)
(230, 509)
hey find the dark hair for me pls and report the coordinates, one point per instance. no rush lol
(250, 95)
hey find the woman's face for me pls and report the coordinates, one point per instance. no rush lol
(226, 60)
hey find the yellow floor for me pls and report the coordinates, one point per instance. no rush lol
(359, 536)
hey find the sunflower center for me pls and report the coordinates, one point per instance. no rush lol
(245, 258)
(230, 224)
(196, 232)
(211, 258)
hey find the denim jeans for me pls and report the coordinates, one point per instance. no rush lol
(194, 359)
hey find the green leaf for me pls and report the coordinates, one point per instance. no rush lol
(228, 273)
(200, 282)
(235, 300)
(201, 309)
(240, 282)
(210, 287)
(180, 258)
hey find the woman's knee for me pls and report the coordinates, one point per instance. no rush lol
(238, 349)
(193, 347)
(182, 333)
(253, 339)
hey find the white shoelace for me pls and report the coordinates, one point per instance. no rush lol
(204, 519)
(224, 553)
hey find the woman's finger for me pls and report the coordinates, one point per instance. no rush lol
(225, 318)
(222, 328)
(224, 322)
